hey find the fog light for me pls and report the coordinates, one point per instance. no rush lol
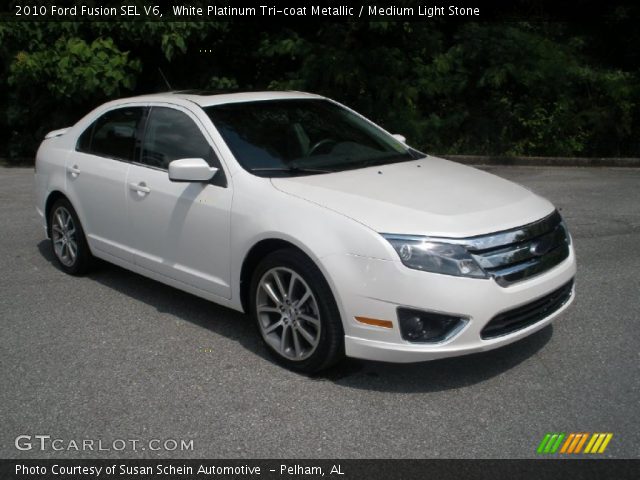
(427, 327)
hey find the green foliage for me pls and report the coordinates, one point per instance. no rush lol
(527, 94)
(514, 89)
(75, 70)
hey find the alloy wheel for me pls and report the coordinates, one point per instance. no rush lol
(63, 234)
(288, 314)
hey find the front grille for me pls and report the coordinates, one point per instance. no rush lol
(515, 255)
(525, 315)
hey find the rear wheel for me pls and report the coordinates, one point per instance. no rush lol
(68, 242)
(296, 313)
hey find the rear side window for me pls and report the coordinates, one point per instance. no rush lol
(113, 135)
(171, 135)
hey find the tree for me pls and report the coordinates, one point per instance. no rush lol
(493, 88)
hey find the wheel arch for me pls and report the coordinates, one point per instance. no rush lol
(52, 198)
(257, 253)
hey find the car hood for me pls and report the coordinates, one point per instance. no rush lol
(430, 196)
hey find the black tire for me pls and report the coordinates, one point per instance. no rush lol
(329, 348)
(82, 261)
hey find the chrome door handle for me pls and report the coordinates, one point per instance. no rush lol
(141, 188)
(74, 171)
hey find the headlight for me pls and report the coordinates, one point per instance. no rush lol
(437, 257)
(566, 231)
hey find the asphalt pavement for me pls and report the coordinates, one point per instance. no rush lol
(114, 357)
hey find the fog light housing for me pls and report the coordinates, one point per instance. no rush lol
(417, 326)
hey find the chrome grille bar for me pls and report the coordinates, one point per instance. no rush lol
(517, 254)
(527, 251)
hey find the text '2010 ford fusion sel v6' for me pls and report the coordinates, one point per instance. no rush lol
(335, 236)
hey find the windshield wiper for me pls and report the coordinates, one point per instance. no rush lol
(384, 160)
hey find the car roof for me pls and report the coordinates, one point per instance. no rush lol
(206, 98)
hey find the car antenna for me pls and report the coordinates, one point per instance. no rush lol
(165, 79)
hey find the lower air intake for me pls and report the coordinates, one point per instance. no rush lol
(526, 315)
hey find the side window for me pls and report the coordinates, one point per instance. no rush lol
(113, 134)
(170, 135)
(84, 141)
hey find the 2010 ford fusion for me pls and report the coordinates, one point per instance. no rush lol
(336, 237)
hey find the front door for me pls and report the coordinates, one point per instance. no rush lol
(179, 230)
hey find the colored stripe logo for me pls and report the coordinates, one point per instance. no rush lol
(569, 443)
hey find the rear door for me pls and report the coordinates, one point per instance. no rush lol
(179, 230)
(96, 179)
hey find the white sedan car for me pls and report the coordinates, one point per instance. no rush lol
(334, 235)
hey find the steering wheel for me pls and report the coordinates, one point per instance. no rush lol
(315, 150)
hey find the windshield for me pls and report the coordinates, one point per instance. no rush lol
(302, 137)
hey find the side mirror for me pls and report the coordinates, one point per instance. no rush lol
(400, 138)
(191, 170)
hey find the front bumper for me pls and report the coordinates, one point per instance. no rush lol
(374, 288)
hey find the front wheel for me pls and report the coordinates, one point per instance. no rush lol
(67, 239)
(296, 313)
